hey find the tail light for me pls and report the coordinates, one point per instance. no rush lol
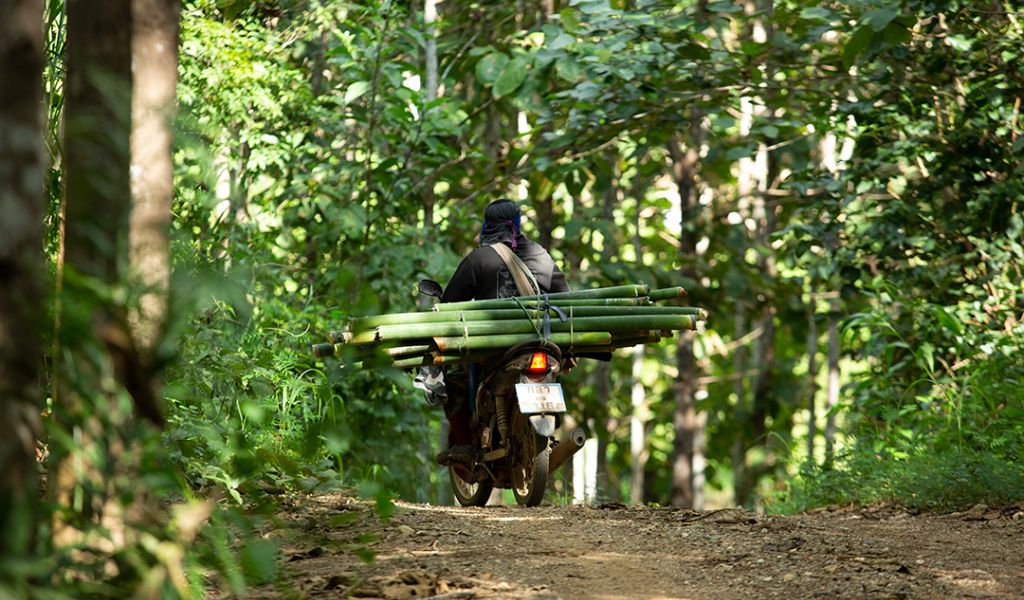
(538, 363)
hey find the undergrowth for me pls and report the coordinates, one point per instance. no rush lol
(947, 481)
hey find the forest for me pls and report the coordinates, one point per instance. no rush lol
(193, 192)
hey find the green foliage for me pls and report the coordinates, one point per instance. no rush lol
(921, 479)
(315, 181)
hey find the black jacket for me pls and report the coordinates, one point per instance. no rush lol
(483, 275)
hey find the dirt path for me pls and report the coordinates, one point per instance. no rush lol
(615, 552)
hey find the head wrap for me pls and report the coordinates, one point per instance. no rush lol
(501, 223)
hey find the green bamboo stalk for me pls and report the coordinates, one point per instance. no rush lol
(386, 333)
(506, 303)
(485, 342)
(400, 351)
(621, 291)
(669, 293)
(366, 323)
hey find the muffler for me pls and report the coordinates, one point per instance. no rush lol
(564, 449)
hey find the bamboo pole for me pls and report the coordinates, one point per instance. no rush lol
(621, 291)
(365, 323)
(667, 293)
(481, 342)
(386, 333)
(507, 303)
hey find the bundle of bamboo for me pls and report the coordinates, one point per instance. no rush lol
(580, 322)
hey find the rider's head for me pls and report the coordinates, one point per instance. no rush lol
(501, 223)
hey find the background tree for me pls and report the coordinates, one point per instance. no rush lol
(22, 265)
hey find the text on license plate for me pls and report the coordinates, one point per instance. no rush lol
(540, 398)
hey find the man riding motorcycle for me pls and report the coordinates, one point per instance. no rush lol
(485, 273)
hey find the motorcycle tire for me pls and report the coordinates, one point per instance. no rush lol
(470, 494)
(530, 477)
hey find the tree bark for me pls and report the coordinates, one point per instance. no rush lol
(97, 108)
(22, 264)
(638, 415)
(739, 444)
(812, 372)
(685, 159)
(430, 90)
(610, 248)
(97, 118)
(685, 155)
(833, 378)
(155, 73)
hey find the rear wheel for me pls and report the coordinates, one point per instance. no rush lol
(469, 494)
(530, 471)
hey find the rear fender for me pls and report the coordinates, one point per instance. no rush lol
(543, 424)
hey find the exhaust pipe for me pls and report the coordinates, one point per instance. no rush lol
(564, 449)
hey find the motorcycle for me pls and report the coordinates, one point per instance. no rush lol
(516, 404)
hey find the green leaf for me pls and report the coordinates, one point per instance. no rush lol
(511, 77)
(560, 41)
(896, 34)
(753, 48)
(570, 18)
(947, 320)
(927, 356)
(568, 69)
(959, 42)
(739, 152)
(724, 6)
(816, 13)
(356, 90)
(259, 559)
(879, 18)
(490, 67)
(856, 44)
(232, 8)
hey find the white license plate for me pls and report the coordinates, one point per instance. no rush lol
(540, 398)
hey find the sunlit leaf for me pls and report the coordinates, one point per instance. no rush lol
(356, 90)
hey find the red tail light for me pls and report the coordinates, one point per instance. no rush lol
(538, 363)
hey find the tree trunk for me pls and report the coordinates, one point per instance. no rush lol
(638, 415)
(812, 372)
(430, 90)
(637, 430)
(739, 444)
(427, 195)
(545, 207)
(22, 264)
(97, 110)
(759, 177)
(97, 117)
(685, 160)
(155, 72)
(748, 177)
(609, 200)
(833, 378)
(685, 163)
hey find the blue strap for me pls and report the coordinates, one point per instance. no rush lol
(547, 307)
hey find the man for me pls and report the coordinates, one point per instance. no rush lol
(484, 275)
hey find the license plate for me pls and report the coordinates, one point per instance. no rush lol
(540, 398)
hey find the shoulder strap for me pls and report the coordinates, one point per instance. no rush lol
(522, 275)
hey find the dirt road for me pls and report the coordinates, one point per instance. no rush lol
(618, 552)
